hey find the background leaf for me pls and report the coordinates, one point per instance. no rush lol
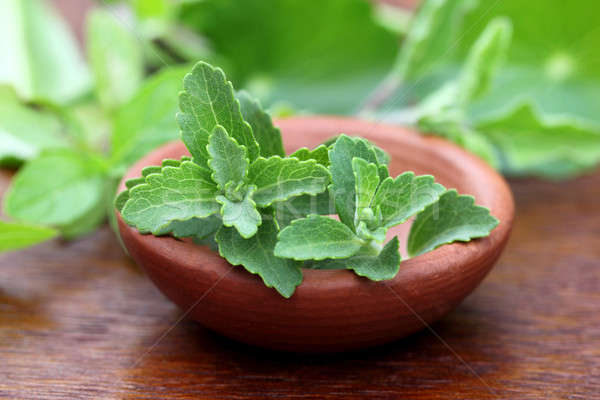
(57, 189)
(25, 132)
(40, 58)
(115, 56)
(275, 54)
(15, 236)
(148, 119)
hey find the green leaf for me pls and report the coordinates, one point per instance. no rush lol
(406, 195)
(115, 56)
(57, 189)
(15, 236)
(40, 59)
(208, 101)
(256, 255)
(177, 193)
(199, 228)
(267, 135)
(277, 56)
(531, 143)
(242, 215)
(228, 160)
(377, 268)
(278, 179)
(483, 60)
(453, 218)
(342, 175)
(148, 119)
(320, 154)
(302, 206)
(25, 132)
(316, 238)
(430, 38)
(366, 176)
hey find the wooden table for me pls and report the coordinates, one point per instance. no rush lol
(79, 320)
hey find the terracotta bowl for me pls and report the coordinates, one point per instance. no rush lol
(333, 310)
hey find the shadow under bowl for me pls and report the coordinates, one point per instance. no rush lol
(333, 310)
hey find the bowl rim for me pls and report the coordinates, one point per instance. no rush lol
(411, 269)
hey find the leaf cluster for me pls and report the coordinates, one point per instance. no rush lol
(520, 98)
(271, 213)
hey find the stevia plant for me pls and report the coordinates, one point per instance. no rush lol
(271, 213)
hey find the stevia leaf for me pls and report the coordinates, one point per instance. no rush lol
(15, 236)
(207, 100)
(198, 228)
(267, 135)
(342, 175)
(256, 255)
(115, 56)
(278, 179)
(42, 59)
(406, 195)
(148, 119)
(242, 215)
(320, 154)
(366, 176)
(25, 132)
(227, 160)
(483, 60)
(452, 218)
(543, 145)
(377, 268)
(174, 194)
(316, 238)
(302, 206)
(57, 188)
(151, 169)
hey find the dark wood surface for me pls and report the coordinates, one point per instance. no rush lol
(79, 320)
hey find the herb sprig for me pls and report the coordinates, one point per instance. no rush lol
(270, 213)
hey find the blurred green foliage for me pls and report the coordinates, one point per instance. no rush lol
(516, 82)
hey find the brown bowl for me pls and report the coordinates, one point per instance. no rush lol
(333, 310)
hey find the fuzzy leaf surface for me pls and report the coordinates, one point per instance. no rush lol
(278, 179)
(342, 176)
(405, 196)
(316, 238)
(177, 193)
(207, 100)
(377, 268)
(452, 218)
(320, 154)
(242, 215)
(228, 160)
(267, 135)
(256, 255)
(366, 176)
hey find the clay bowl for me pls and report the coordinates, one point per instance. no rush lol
(333, 310)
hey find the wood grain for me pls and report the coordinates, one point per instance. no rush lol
(79, 321)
